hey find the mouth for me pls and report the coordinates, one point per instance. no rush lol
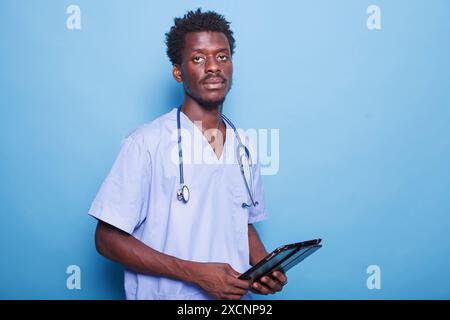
(214, 83)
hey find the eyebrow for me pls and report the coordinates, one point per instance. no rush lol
(218, 50)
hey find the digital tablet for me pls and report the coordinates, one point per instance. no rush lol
(282, 259)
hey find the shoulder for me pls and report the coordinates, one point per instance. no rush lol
(149, 134)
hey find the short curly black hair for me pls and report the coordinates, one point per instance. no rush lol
(194, 21)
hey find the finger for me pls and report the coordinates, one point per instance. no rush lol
(242, 284)
(262, 289)
(259, 291)
(236, 275)
(259, 288)
(234, 297)
(271, 284)
(280, 277)
(231, 296)
(233, 291)
(232, 272)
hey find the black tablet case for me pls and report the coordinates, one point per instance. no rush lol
(282, 259)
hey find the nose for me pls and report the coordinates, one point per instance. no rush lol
(212, 66)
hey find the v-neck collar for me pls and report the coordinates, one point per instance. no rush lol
(204, 140)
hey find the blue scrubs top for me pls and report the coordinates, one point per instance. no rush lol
(139, 196)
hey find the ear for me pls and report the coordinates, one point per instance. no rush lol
(176, 72)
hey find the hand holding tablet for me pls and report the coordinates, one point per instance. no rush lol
(282, 259)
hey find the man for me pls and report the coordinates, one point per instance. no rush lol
(172, 247)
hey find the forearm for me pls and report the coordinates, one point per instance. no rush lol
(256, 247)
(135, 255)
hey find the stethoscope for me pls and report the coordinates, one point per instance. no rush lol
(243, 154)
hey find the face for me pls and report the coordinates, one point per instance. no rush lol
(206, 68)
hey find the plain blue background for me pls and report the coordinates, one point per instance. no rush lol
(364, 123)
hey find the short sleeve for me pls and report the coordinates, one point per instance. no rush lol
(123, 196)
(257, 213)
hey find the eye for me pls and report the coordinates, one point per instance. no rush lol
(198, 59)
(222, 57)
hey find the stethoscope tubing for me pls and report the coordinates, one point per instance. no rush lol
(183, 192)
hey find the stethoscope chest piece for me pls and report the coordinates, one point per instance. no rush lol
(183, 194)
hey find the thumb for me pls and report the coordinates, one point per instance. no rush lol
(233, 272)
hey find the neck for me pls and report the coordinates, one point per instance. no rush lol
(210, 118)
